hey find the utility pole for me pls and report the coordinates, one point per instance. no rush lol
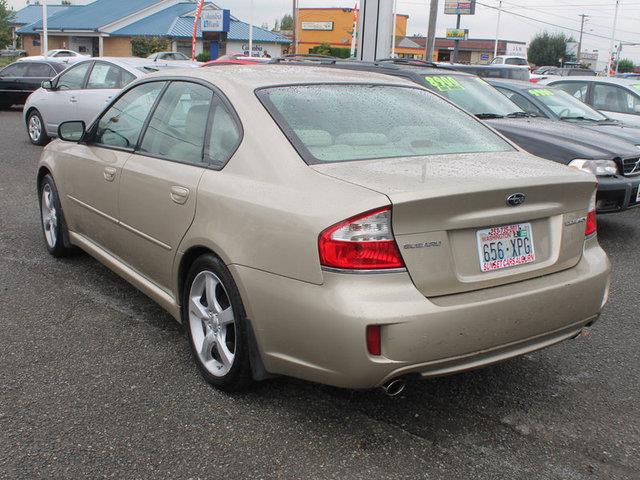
(584, 17)
(393, 32)
(294, 43)
(456, 42)
(613, 35)
(431, 33)
(495, 46)
(45, 29)
(251, 28)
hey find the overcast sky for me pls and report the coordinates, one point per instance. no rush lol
(564, 14)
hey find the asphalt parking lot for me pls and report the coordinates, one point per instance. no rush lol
(96, 381)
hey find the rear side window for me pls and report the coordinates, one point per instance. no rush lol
(73, 78)
(107, 76)
(225, 134)
(177, 128)
(120, 126)
(614, 99)
(41, 70)
(576, 89)
(343, 122)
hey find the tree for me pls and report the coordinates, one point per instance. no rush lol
(6, 15)
(287, 22)
(276, 26)
(145, 46)
(548, 48)
(626, 65)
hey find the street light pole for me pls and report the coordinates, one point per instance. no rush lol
(495, 46)
(613, 35)
(456, 42)
(45, 29)
(431, 33)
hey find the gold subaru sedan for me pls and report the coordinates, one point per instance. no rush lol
(347, 228)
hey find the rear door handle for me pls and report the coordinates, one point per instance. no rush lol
(179, 194)
(109, 174)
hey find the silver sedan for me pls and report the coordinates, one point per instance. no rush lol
(80, 92)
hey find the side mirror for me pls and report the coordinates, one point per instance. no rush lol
(71, 131)
(48, 85)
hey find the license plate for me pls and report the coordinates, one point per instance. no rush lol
(505, 246)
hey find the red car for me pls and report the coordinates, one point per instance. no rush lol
(236, 59)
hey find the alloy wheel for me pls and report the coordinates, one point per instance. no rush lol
(49, 216)
(35, 127)
(212, 323)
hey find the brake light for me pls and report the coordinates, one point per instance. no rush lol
(364, 242)
(592, 221)
(374, 340)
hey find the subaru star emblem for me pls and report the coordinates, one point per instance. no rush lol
(515, 199)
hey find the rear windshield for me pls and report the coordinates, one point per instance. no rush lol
(344, 122)
(516, 61)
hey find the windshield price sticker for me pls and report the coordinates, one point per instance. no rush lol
(636, 86)
(506, 246)
(444, 84)
(541, 92)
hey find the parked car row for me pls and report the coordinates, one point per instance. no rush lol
(342, 225)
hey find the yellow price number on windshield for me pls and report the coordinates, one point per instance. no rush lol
(541, 92)
(444, 84)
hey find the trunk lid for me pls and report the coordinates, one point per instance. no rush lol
(441, 202)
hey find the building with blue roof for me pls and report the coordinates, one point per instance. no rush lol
(106, 28)
(31, 14)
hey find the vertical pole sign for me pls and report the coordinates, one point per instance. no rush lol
(458, 9)
(374, 29)
(195, 29)
(354, 33)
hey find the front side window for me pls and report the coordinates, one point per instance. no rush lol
(177, 129)
(576, 89)
(344, 122)
(497, 61)
(73, 79)
(472, 94)
(120, 126)
(615, 99)
(107, 76)
(15, 70)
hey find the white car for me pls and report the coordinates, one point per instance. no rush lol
(173, 59)
(65, 56)
(509, 60)
(617, 98)
(80, 92)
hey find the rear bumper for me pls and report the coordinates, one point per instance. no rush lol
(616, 194)
(317, 332)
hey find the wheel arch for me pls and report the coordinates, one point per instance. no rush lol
(258, 370)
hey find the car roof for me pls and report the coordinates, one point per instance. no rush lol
(251, 77)
(613, 80)
(519, 84)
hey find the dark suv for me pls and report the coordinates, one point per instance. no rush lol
(601, 154)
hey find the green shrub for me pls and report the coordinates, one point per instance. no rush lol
(204, 57)
(326, 49)
(145, 46)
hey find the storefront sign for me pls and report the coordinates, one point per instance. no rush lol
(215, 20)
(324, 26)
(516, 50)
(457, 34)
(460, 8)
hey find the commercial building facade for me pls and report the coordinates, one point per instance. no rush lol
(107, 27)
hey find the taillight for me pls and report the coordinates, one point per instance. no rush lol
(592, 222)
(364, 242)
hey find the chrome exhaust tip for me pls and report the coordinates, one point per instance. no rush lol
(394, 388)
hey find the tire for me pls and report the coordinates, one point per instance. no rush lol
(216, 325)
(35, 129)
(54, 227)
